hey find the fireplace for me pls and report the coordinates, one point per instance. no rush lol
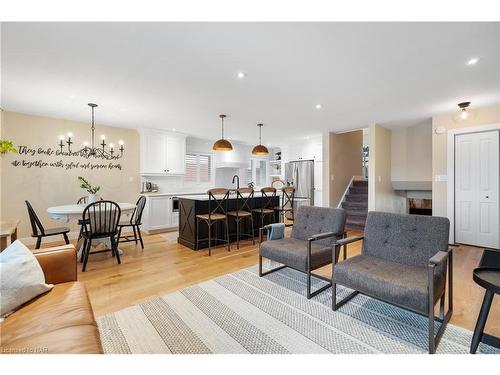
(418, 206)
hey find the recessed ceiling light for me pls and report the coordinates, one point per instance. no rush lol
(174, 129)
(473, 61)
(318, 106)
(240, 75)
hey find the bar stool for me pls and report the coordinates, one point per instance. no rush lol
(243, 211)
(287, 201)
(266, 209)
(217, 212)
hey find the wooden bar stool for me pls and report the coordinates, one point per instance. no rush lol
(217, 212)
(287, 201)
(243, 211)
(266, 209)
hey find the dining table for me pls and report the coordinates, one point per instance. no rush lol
(74, 212)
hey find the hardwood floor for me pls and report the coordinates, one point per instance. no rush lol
(165, 266)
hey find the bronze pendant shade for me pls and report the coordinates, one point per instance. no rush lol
(222, 144)
(260, 149)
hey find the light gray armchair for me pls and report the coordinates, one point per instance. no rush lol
(311, 244)
(404, 261)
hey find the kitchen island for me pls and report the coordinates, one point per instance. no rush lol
(192, 205)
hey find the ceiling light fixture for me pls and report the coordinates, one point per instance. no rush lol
(318, 106)
(88, 151)
(240, 75)
(222, 144)
(473, 61)
(260, 149)
(463, 110)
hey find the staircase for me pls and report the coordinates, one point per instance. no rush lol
(356, 205)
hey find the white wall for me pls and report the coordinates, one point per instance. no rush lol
(381, 195)
(411, 153)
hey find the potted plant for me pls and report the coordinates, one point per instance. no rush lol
(7, 146)
(91, 190)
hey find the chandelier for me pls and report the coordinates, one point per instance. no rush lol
(89, 150)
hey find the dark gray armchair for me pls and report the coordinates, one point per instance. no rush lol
(404, 261)
(311, 245)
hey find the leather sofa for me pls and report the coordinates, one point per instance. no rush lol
(59, 321)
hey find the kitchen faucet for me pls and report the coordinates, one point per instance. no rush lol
(237, 181)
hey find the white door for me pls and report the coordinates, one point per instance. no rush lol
(476, 189)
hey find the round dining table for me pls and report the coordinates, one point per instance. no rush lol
(74, 212)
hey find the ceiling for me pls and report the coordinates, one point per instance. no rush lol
(182, 75)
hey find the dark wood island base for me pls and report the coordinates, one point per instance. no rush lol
(190, 206)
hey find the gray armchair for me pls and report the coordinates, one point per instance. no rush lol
(311, 245)
(404, 261)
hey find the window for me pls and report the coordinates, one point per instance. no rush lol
(198, 168)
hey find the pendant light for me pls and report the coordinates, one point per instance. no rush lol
(260, 149)
(222, 144)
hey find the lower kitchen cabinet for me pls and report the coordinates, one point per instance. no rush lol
(158, 214)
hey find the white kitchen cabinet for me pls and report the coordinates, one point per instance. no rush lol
(158, 213)
(162, 152)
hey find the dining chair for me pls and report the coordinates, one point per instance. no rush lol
(287, 203)
(244, 198)
(81, 200)
(100, 220)
(268, 195)
(39, 231)
(217, 213)
(134, 222)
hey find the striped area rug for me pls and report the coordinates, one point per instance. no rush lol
(245, 313)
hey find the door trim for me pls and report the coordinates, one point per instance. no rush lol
(450, 157)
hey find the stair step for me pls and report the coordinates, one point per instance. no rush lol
(355, 224)
(358, 190)
(358, 183)
(356, 197)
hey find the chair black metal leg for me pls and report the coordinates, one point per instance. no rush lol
(135, 234)
(66, 239)
(481, 320)
(82, 256)
(38, 242)
(260, 265)
(86, 251)
(227, 235)
(140, 237)
(253, 230)
(209, 238)
(114, 246)
(118, 237)
(237, 233)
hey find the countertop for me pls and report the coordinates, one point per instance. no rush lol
(204, 197)
(151, 194)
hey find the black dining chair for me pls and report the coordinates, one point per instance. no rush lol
(134, 222)
(39, 231)
(81, 200)
(100, 220)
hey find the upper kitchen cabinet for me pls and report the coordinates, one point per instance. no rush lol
(162, 152)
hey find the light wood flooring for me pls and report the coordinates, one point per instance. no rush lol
(165, 266)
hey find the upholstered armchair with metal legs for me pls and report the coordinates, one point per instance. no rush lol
(311, 245)
(404, 261)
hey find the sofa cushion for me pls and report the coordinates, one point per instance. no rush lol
(406, 239)
(311, 220)
(390, 281)
(21, 277)
(293, 253)
(61, 321)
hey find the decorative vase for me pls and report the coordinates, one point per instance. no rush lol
(92, 198)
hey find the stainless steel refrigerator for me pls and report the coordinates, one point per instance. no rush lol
(300, 175)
